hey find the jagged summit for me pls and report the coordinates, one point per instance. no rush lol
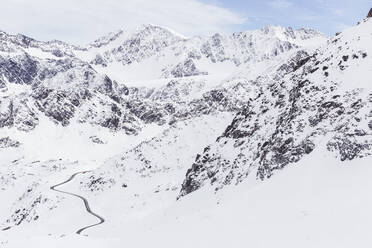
(142, 30)
(105, 40)
(173, 56)
(369, 13)
(158, 28)
(276, 29)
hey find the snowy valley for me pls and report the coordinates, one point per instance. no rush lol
(146, 137)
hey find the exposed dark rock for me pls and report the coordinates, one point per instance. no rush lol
(99, 183)
(369, 13)
(2, 84)
(185, 69)
(349, 148)
(96, 140)
(7, 142)
(21, 70)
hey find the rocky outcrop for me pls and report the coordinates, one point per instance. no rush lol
(184, 69)
(305, 104)
(7, 142)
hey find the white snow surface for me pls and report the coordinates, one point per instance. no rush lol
(307, 205)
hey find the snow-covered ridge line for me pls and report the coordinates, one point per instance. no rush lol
(152, 52)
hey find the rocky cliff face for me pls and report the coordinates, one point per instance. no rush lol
(320, 99)
(369, 13)
(59, 89)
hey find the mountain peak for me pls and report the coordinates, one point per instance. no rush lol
(157, 28)
(369, 13)
(301, 36)
(104, 40)
(274, 28)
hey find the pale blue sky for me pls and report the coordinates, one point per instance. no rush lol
(82, 21)
(328, 16)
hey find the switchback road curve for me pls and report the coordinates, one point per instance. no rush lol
(86, 203)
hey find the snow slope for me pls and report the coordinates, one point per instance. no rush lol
(307, 205)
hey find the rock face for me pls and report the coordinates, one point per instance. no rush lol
(311, 105)
(370, 13)
(6, 142)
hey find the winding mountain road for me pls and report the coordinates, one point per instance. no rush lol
(86, 203)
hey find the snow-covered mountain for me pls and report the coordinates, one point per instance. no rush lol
(67, 86)
(151, 129)
(152, 52)
(326, 98)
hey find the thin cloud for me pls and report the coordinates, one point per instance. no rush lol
(81, 21)
(280, 4)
